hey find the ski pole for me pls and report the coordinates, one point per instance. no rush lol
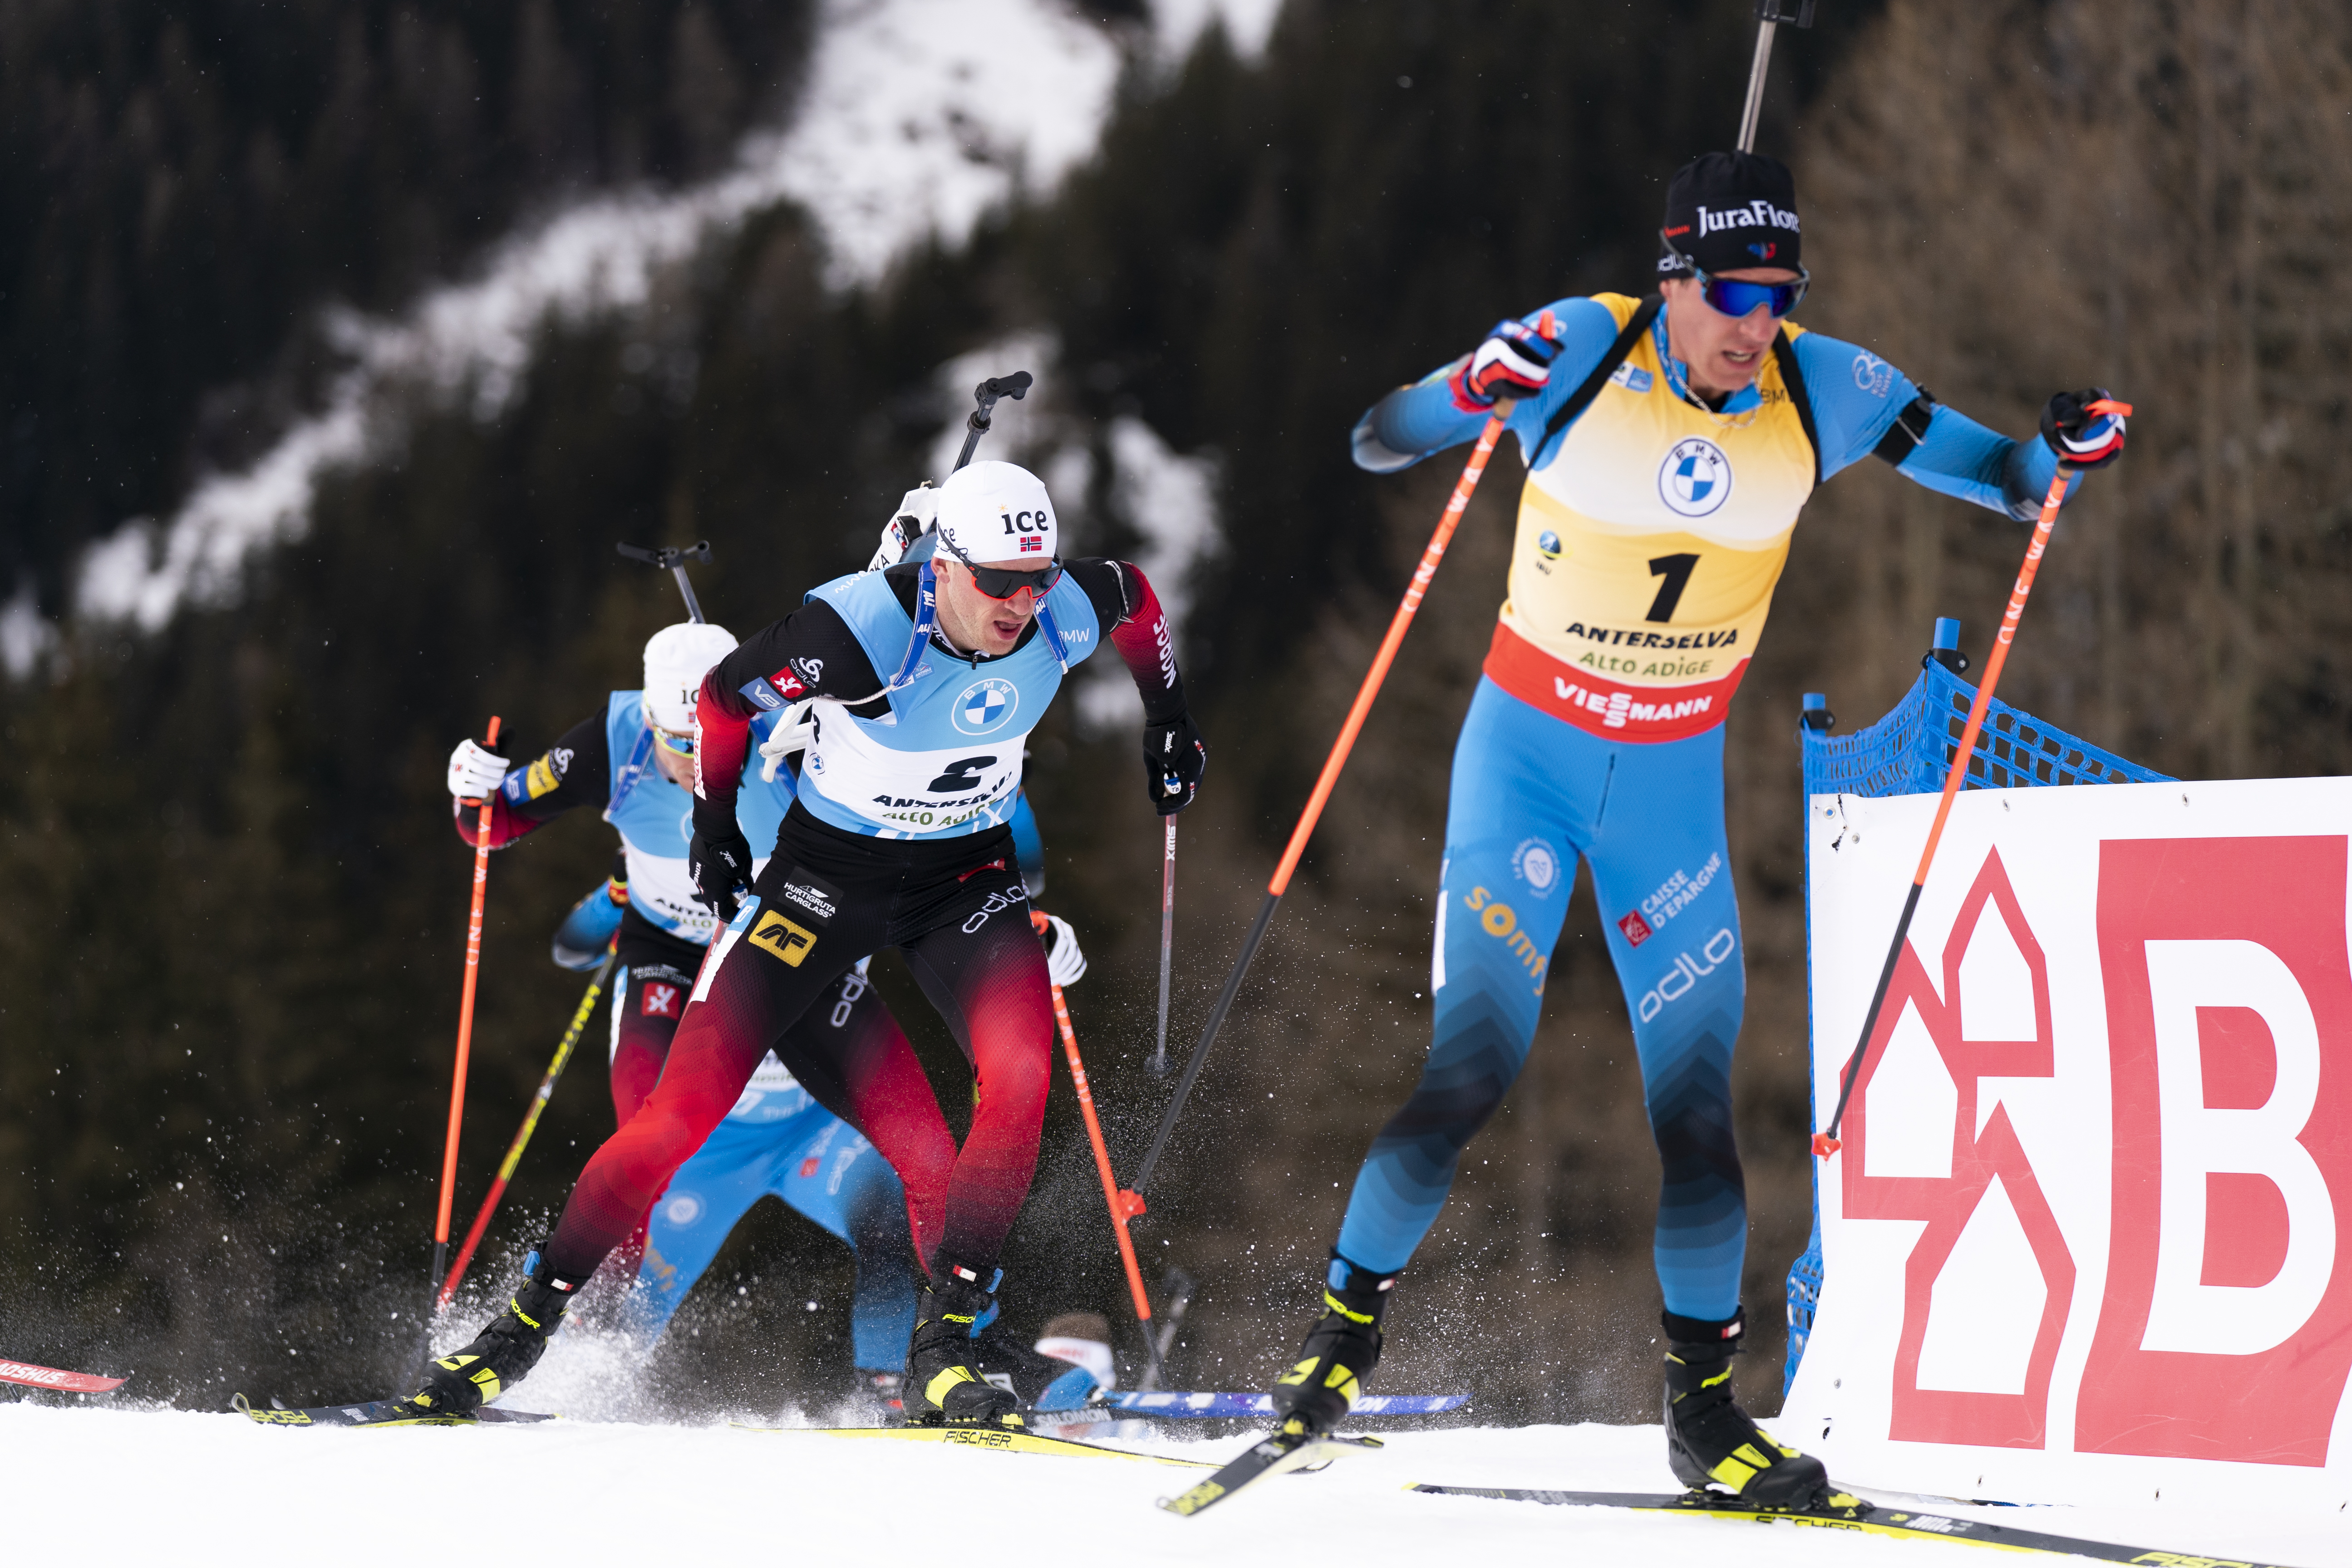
(1398, 626)
(1826, 1143)
(1124, 1206)
(529, 1123)
(1770, 15)
(465, 1026)
(1167, 946)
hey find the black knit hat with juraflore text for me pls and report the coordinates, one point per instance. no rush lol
(1729, 210)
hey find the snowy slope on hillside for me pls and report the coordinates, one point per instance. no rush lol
(182, 1488)
(918, 117)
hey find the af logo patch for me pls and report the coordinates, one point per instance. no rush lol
(660, 1001)
(782, 937)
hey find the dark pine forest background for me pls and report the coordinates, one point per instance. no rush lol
(228, 983)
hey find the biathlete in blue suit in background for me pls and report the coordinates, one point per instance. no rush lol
(1670, 443)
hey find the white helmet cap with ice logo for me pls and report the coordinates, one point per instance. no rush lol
(998, 512)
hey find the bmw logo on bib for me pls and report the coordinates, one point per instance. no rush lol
(1696, 477)
(985, 705)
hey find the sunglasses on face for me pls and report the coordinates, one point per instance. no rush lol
(1003, 582)
(1736, 297)
(679, 742)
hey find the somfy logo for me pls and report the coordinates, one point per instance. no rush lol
(1696, 477)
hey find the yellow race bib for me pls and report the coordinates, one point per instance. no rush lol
(1647, 551)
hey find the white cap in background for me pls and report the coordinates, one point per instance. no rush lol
(677, 659)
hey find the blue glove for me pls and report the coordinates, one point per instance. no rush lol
(579, 940)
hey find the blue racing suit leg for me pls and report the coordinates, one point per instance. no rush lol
(1521, 807)
(1530, 794)
(843, 1183)
(690, 1221)
(1662, 870)
(818, 1164)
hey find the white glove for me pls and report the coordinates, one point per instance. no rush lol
(1065, 964)
(918, 510)
(793, 732)
(473, 772)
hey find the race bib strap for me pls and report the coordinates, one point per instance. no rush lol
(1605, 707)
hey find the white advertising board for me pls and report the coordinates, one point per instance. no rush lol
(2090, 1234)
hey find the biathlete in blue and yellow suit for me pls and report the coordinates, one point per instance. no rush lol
(1670, 446)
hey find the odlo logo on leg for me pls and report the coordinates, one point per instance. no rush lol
(1686, 973)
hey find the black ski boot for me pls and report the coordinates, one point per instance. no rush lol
(1710, 1441)
(466, 1380)
(1340, 1351)
(941, 1388)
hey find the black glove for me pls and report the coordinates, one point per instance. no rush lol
(1174, 757)
(719, 863)
(2086, 439)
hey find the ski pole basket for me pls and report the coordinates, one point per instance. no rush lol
(1908, 751)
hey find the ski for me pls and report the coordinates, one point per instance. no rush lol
(1277, 1454)
(379, 1413)
(1003, 1439)
(1846, 1512)
(33, 1376)
(1202, 1407)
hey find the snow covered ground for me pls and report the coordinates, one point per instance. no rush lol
(180, 1487)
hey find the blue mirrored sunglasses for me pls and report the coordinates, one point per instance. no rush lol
(1736, 297)
(679, 740)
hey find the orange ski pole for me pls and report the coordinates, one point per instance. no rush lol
(1399, 624)
(1827, 1143)
(465, 1026)
(1124, 1205)
(529, 1124)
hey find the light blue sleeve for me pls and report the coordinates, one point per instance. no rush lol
(1857, 396)
(1414, 421)
(1028, 846)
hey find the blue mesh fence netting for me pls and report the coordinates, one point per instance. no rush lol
(1909, 751)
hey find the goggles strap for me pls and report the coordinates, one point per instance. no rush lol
(1051, 633)
(927, 616)
(630, 773)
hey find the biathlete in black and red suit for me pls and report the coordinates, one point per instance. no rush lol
(927, 676)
